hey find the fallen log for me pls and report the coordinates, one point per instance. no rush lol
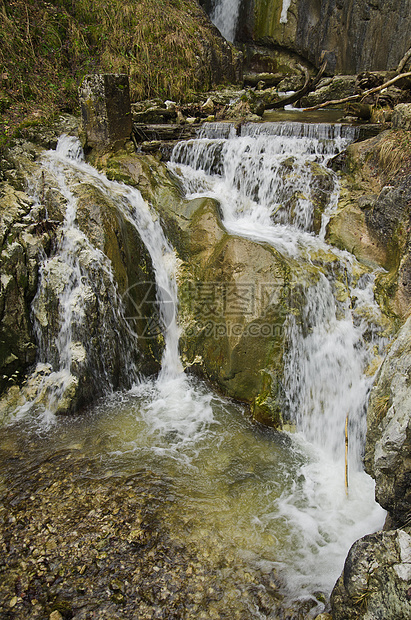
(309, 85)
(360, 96)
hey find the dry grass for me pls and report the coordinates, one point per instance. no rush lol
(381, 404)
(394, 155)
(47, 47)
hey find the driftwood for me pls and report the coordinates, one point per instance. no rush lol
(359, 95)
(309, 85)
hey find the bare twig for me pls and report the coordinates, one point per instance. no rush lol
(346, 455)
(404, 61)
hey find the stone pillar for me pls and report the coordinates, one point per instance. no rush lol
(105, 109)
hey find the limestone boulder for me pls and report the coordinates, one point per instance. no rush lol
(234, 293)
(234, 299)
(388, 445)
(375, 582)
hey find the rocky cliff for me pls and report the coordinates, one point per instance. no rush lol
(358, 35)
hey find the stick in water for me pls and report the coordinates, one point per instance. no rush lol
(346, 455)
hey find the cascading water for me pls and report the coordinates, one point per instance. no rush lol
(163, 410)
(225, 17)
(73, 283)
(255, 501)
(265, 180)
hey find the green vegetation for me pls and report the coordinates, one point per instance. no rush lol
(47, 47)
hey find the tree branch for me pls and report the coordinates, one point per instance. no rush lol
(360, 95)
(309, 85)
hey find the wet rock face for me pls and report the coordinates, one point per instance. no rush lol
(376, 577)
(388, 446)
(111, 266)
(23, 237)
(357, 35)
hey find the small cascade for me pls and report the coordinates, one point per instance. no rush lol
(324, 375)
(225, 17)
(273, 173)
(77, 294)
(82, 276)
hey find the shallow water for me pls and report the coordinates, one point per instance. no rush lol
(269, 501)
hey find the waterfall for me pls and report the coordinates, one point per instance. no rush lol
(76, 289)
(269, 181)
(82, 285)
(225, 17)
(284, 11)
(267, 176)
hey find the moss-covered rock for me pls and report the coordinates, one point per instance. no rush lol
(234, 300)
(329, 89)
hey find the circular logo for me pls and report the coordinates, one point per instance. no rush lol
(149, 309)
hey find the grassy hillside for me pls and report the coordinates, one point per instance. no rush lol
(167, 47)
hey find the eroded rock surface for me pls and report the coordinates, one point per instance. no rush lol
(376, 579)
(388, 446)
